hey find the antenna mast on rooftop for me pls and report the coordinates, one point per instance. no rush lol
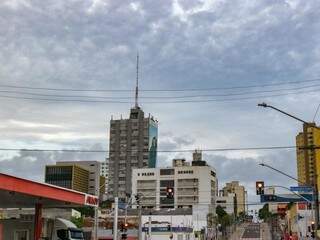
(137, 83)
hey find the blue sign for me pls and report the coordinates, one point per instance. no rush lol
(168, 229)
(301, 189)
(285, 198)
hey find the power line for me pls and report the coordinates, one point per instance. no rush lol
(316, 113)
(159, 90)
(159, 151)
(159, 102)
(158, 97)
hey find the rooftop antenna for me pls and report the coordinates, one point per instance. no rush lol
(137, 83)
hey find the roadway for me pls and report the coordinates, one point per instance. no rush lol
(256, 231)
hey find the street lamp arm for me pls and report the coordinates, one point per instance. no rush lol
(279, 171)
(283, 112)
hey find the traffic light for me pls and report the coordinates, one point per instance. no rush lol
(169, 227)
(137, 197)
(312, 226)
(124, 227)
(260, 187)
(124, 236)
(170, 193)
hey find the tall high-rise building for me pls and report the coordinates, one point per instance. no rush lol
(308, 158)
(240, 194)
(133, 144)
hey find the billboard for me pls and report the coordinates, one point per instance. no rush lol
(153, 143)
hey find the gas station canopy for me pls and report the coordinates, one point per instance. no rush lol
(22, 193)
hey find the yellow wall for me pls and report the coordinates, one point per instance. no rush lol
(316, 140)
(308, 160)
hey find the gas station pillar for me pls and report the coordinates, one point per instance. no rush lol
(38, 221)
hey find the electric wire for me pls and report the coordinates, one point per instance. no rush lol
(159, 151)
(159, 97)
(160, 102)
(316, 113)
(159, 90)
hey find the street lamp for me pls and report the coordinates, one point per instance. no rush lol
(316, 198)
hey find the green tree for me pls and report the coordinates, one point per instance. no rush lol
(78, 221)
(224, 219)
(86, 211)
(220, 211)
(264, 213)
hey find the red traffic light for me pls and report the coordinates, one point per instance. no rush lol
(260, 187)
(170, 192)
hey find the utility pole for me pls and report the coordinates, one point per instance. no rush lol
(115, 219)
(149, 228)
(306, 148)
(140, 223)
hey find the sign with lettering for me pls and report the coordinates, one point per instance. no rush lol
(91, 200)
(305, 189)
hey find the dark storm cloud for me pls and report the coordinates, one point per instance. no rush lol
(31, 165)
(182, 44)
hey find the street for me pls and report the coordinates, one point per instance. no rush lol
(252, 231)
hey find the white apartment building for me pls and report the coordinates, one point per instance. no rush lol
(227, 203)
(194, 183)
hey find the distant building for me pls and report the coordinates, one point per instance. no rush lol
(308, 158)
(193, 184)
(96, 181)
(133, 144)
(228, 203)
(104, 171)
(240, 194)
(83, 176)
(69, 176)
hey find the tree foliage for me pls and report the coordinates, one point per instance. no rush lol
(86, 211)
(264, 212)
(78, 221)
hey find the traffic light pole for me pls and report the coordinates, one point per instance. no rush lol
(315, 184)
(140, 223)
(115, 220)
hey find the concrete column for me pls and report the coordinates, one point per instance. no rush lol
(38, 221)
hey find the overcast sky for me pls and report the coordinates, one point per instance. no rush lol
(189, 44)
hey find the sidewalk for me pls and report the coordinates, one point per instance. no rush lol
(265, 232)
(238, 233)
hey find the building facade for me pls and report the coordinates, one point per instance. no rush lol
(308, 158)
(240, 194)
(228, 203)
(68, 176)
(104, 171)
(133, 144)
(192, 185)
(96, 182)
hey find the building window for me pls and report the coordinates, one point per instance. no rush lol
(169, 171)
(148, 174)
(167, 183)
(185, 172)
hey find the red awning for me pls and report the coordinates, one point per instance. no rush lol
(22, 193)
